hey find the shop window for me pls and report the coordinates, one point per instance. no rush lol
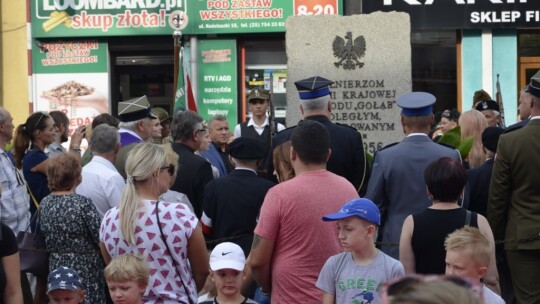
(434, 66)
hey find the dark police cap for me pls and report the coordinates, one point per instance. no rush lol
(247, 148)
(416, 103)
(135, 109)
(487, 105)
(258, 94)
(490, 138)
(313, 87)
(534, 86)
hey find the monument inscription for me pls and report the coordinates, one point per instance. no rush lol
(369, 59)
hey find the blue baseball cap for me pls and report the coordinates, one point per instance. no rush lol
(360, 207)
(64, 278)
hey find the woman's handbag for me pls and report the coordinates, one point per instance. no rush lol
(33, 253)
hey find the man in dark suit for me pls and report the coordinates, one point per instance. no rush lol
(232, 203)
(480, 178)
(217, 153)
(397, 182)
(194, 171)
(347, 158)
(513, 206)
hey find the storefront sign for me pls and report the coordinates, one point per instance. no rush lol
(72, 77)
(218, 79)
(462, 14)
(84, 18)
(246, 16)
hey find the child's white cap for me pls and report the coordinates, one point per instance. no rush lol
(227, 256)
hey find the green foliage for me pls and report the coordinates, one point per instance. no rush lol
(453, 138)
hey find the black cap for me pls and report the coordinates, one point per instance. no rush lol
(490, 138)
(487, 105)
(313, 87)
(247, 148)
(416, 104)
(135, 109)
(534, 86)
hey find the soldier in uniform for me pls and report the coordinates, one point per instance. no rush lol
(258, 126)
(491, 111)
(231, 203)
(513, 208)
(397, 182)
(135, 126)
(347, 158)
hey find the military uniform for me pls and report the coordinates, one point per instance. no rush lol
(513, 208)
(347, 158)
(397, 182)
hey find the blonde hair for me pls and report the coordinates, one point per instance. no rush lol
(142, 162)
(128, 267)
(473, 123)
(436, 292)
(171, 157)
(472, 240)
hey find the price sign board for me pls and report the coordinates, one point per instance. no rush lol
(316, 7)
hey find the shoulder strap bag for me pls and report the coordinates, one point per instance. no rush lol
(176, 266)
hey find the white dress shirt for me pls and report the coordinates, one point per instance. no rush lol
(102, 183)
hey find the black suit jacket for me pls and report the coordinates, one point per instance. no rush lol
(347, 158)
(479, 180)
(232, 204)
(194, 172)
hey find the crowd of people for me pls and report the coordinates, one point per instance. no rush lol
(173, 209)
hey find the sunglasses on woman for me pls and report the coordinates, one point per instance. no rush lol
(170, 169)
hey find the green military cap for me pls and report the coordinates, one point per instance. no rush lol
(161, 114)
(135, 109)
(258, 94)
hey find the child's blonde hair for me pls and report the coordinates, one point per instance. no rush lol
(128, 267)
(471, 239)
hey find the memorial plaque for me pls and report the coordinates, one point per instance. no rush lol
(369, 59)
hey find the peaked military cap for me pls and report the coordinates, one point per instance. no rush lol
(258, 93)
(480, 95)
(161, 114)
(313, 87)
(416, 103)
(247, 148)
(534, 85)
(135, 109)
(487, 105)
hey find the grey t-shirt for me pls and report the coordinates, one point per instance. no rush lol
(352, 283)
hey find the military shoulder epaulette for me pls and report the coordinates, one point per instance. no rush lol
(512, 129)
(344, 125)
(388, 146)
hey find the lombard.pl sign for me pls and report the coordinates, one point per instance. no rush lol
(84, 18)
(95, 18)
(429, 14)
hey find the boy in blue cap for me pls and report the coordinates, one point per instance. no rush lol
(356, 275)
(64, 286)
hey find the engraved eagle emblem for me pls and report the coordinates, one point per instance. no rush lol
(349, 52)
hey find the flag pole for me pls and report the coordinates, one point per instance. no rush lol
(177, 36)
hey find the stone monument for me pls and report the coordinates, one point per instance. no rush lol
(369, 59)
